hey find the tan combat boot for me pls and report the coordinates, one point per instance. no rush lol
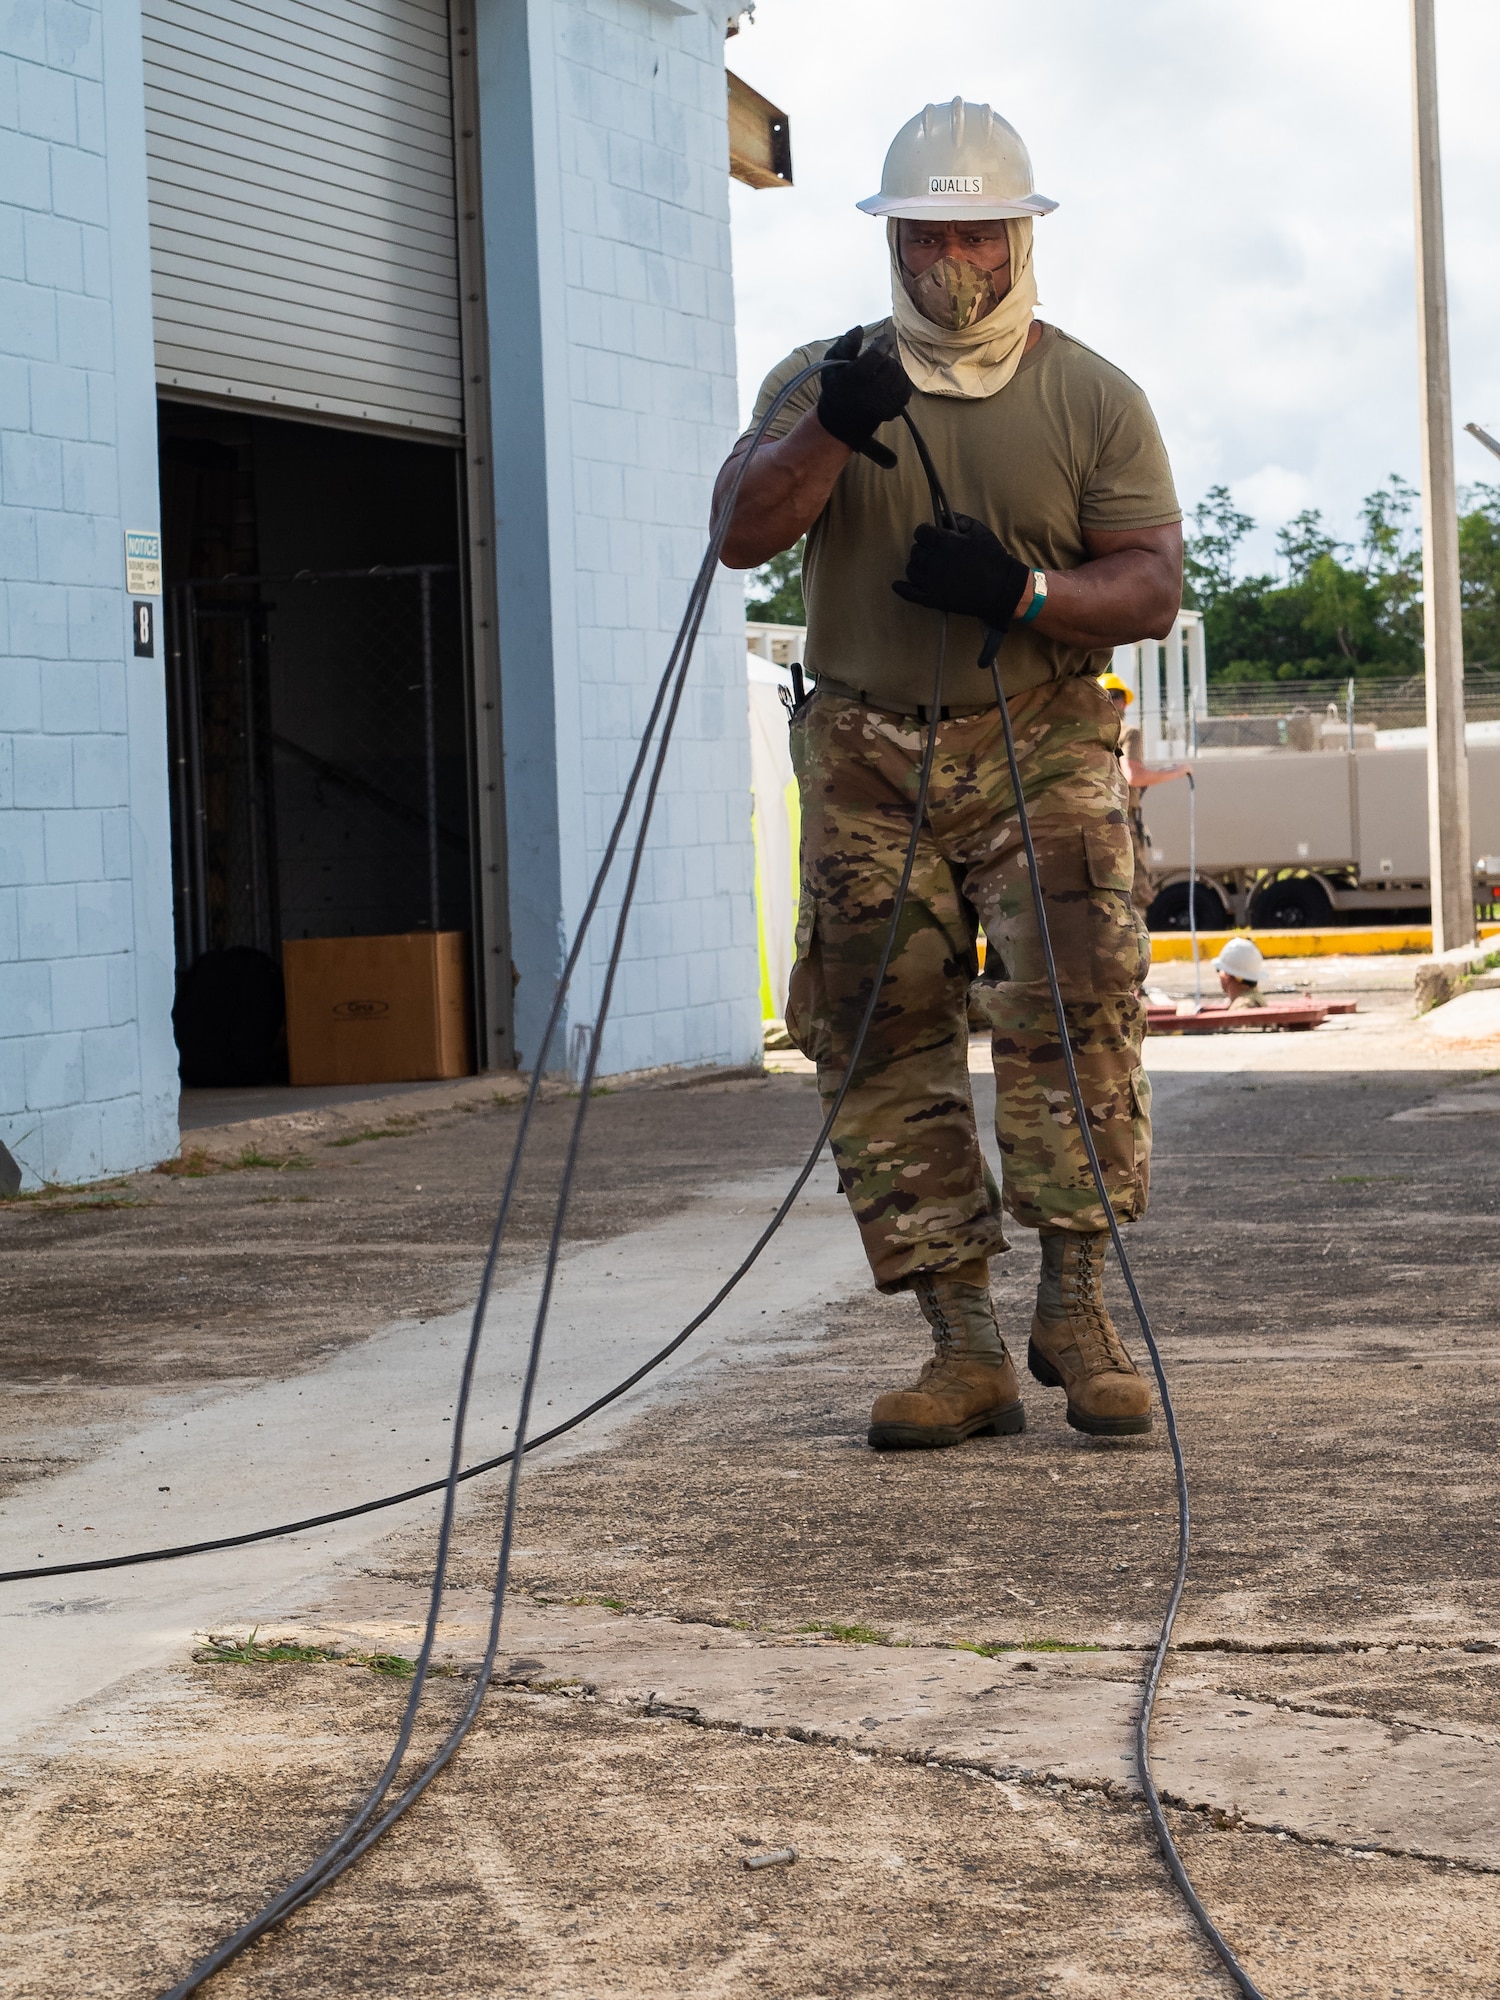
(1074, 1345)
(969, 1387)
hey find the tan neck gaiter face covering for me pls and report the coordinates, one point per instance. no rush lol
(955, 337)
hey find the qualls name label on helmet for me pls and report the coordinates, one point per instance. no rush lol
(956, 184)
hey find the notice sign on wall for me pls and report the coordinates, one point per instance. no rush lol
(142, 563)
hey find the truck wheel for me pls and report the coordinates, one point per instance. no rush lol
(1169, 911)
(1295, 902)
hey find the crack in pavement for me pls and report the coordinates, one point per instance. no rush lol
(1405, 1722)
(1053, 1782)
(1279, 1765)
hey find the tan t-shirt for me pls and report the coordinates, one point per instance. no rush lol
(1070, 443)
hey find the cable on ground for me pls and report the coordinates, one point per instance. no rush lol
(1147, 1710)
(989, 658)
(364, 1828)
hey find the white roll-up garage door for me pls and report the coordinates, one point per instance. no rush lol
(303, 240)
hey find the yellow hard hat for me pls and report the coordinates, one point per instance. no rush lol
(1112, 684)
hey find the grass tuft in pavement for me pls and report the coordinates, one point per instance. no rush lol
(91, 1194)
(196, 1164)
(992, 1652)
(75, 1197)
(257, 1652)
(393, 1128)
(853, 1635)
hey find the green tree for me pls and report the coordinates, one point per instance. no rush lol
(1336, 611)
(1479, 574)
(1340, 609)
(1393, 563)
(1211, 544)
(778, 590)
(1304, 541)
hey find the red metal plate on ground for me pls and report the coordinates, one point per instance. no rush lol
(1218, 1018)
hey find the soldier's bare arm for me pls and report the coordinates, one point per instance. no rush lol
(1140, 777)
(785, 490)
(1130, 588)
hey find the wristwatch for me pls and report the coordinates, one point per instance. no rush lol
(1038, 597)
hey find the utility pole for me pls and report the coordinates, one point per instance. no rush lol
(1451, 865)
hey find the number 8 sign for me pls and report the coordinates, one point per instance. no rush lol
(143, 622)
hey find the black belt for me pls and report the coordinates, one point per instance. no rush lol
(917, 714)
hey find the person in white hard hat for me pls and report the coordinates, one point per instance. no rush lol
(1069, 541)
(1241, 968)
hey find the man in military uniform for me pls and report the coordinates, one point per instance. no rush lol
(1069, 541)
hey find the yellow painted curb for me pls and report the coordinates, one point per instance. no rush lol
(1345, 941)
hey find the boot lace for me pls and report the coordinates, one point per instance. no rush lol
(1083, 1296)
(944, 1333)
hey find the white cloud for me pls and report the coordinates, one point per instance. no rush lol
(1235, 227)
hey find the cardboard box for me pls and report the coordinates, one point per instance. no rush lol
(377, 1009)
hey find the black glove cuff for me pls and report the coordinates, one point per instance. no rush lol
(1011, 577)
(846, 427)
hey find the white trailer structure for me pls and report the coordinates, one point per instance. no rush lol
(1333, 824)
(1326, 821)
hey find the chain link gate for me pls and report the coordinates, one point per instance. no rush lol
(320, 754)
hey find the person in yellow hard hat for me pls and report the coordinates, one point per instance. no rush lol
(1138, 775)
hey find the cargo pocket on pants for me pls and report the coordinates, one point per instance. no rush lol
(807, 996)
(1096, 934)
(1121, 947)
(1111, 859)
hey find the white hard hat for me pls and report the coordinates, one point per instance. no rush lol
(957, 160)
(1241, 959)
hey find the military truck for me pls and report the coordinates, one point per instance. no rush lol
(1297, 837)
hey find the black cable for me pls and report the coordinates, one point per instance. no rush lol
(359, 1834)
(988, 657)
(348, 1844)
(309, 1881)
(686, 634)
(1164, 1838)
(943, 515)
(348, 1847)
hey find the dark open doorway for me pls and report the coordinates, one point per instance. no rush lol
(317, 674)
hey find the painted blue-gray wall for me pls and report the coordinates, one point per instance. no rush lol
(88, 1071)
(611, 315)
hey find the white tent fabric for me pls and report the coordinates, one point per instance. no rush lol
(777, 825)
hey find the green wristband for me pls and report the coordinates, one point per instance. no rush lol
(1038, 597)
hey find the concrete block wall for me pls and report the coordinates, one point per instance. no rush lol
(87, 1069)
(626, 355)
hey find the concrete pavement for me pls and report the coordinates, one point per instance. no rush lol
(368, 1420)
(735, 1629)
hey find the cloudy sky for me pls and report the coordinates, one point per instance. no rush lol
(1235, 226)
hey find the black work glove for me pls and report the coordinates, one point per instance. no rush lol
(965, 568)
(856, 400)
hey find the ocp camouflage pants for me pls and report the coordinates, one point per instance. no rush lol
(905, 1139)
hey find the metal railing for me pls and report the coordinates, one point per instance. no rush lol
(1377, 701)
